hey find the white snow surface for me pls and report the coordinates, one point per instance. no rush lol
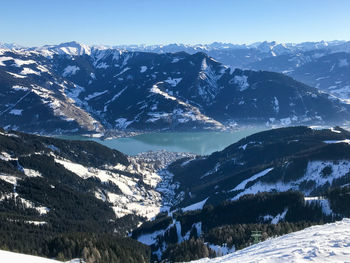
(16, 112)
(195, 206)
(11, 257)
(324, 203)
(325, 243)
(339, 141)
(221, 250)
(313, 172)
(31, 173)
(143, 69)
(279, 217)
(190, 113)
(275, 104)
(116, 96)
(17, 88)
(122, 123)
(242, 185)
(95, 94)
(173, 81)
(70, 70)
(133, 198)
(242, 82)
(27, 71)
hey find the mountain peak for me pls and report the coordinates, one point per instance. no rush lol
(72, 48)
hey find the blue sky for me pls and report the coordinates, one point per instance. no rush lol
(39, 22)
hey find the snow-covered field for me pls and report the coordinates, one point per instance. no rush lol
(11, 257)
(326, 243)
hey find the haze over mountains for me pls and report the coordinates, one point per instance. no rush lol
(73, 87)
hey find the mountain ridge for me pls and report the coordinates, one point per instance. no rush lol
(115, 89)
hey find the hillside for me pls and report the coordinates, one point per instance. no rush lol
(327, 243)
(54, 193)
(276, 181)
(295, 158)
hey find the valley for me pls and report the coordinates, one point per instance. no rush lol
(172, 153)
(149, 198)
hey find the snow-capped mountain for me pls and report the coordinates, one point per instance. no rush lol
(323, 64)
(74, 88)
(10, 46)
(264, 47)
(70, 48)
(326, 71)
(326, 243)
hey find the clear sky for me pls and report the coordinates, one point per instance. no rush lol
(114, 22)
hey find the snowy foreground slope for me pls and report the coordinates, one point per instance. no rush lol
(326, 243)
(11, 257)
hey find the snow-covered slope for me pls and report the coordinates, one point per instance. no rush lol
(295, 158)
(326, 243)
(129, 185)
(11, 257)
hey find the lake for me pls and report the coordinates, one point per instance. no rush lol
(194, 142)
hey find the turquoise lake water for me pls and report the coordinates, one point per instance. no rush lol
(194, 142)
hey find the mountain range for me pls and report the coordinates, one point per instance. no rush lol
(67, 199)
(72, 88)
(323, 64)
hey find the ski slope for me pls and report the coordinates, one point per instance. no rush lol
(11, 257)
(325, 243)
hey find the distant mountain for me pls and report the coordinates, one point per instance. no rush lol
(76, 88)
(263, 47)
(326, 71)
(324, 65)
(70, 48)
(10, 46)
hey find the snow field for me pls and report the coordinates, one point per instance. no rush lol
(325, 243)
